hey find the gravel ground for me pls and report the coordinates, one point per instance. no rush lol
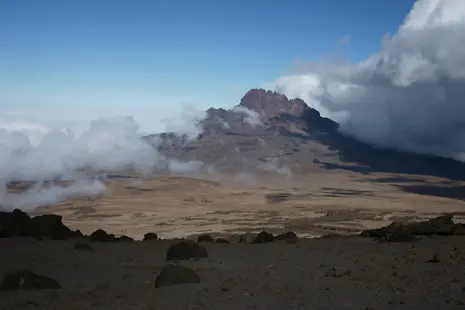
(333, 273)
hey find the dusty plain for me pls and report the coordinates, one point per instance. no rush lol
(345, 272)
(313, 205)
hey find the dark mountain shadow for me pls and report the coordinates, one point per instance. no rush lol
(451, 192)
(371, 159)
(404, 179)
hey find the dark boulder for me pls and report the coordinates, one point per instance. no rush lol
(290, 235)
(49, 226)
(150, 236)
(442, 225)
(221, 240)
(176, 274)
(101, 236)
(14, 223)
(186, 249)
(124, 238)
(27, 280)
(205, 238)
(264, 237)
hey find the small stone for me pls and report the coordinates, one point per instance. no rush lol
(176, 274)
(438, 257)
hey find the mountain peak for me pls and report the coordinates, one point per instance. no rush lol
(269, 104)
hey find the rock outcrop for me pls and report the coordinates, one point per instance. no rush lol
(405, 232)
(48, 226)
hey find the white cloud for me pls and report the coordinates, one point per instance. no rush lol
(410, 95)
(40, 195)
(252, 118)
(35, 151)
(187, 123)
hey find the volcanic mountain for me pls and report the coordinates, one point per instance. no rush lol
(269, 132)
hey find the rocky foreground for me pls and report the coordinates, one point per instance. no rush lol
(45, 265)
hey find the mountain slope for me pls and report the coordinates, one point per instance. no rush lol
(267, 131)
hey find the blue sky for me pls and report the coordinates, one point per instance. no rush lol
(136, 56)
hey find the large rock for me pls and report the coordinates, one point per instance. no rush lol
(49, 226)
(264, 237)
(186, 249)
(27, 280)
(176, 274)
(102, 236)
(14, 223)
(290, 235)
(442, 225)
(150, 236)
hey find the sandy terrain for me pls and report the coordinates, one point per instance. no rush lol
(335, 273)
(330, 202)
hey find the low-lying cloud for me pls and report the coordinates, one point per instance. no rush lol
(408, 96)
(41, 195)
(35, 152)
(252, 118)
(187, 124)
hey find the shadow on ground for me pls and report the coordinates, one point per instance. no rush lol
(371, 160)
(452, 192)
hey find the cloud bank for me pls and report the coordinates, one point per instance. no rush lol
(409, 96)
(37, 152)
